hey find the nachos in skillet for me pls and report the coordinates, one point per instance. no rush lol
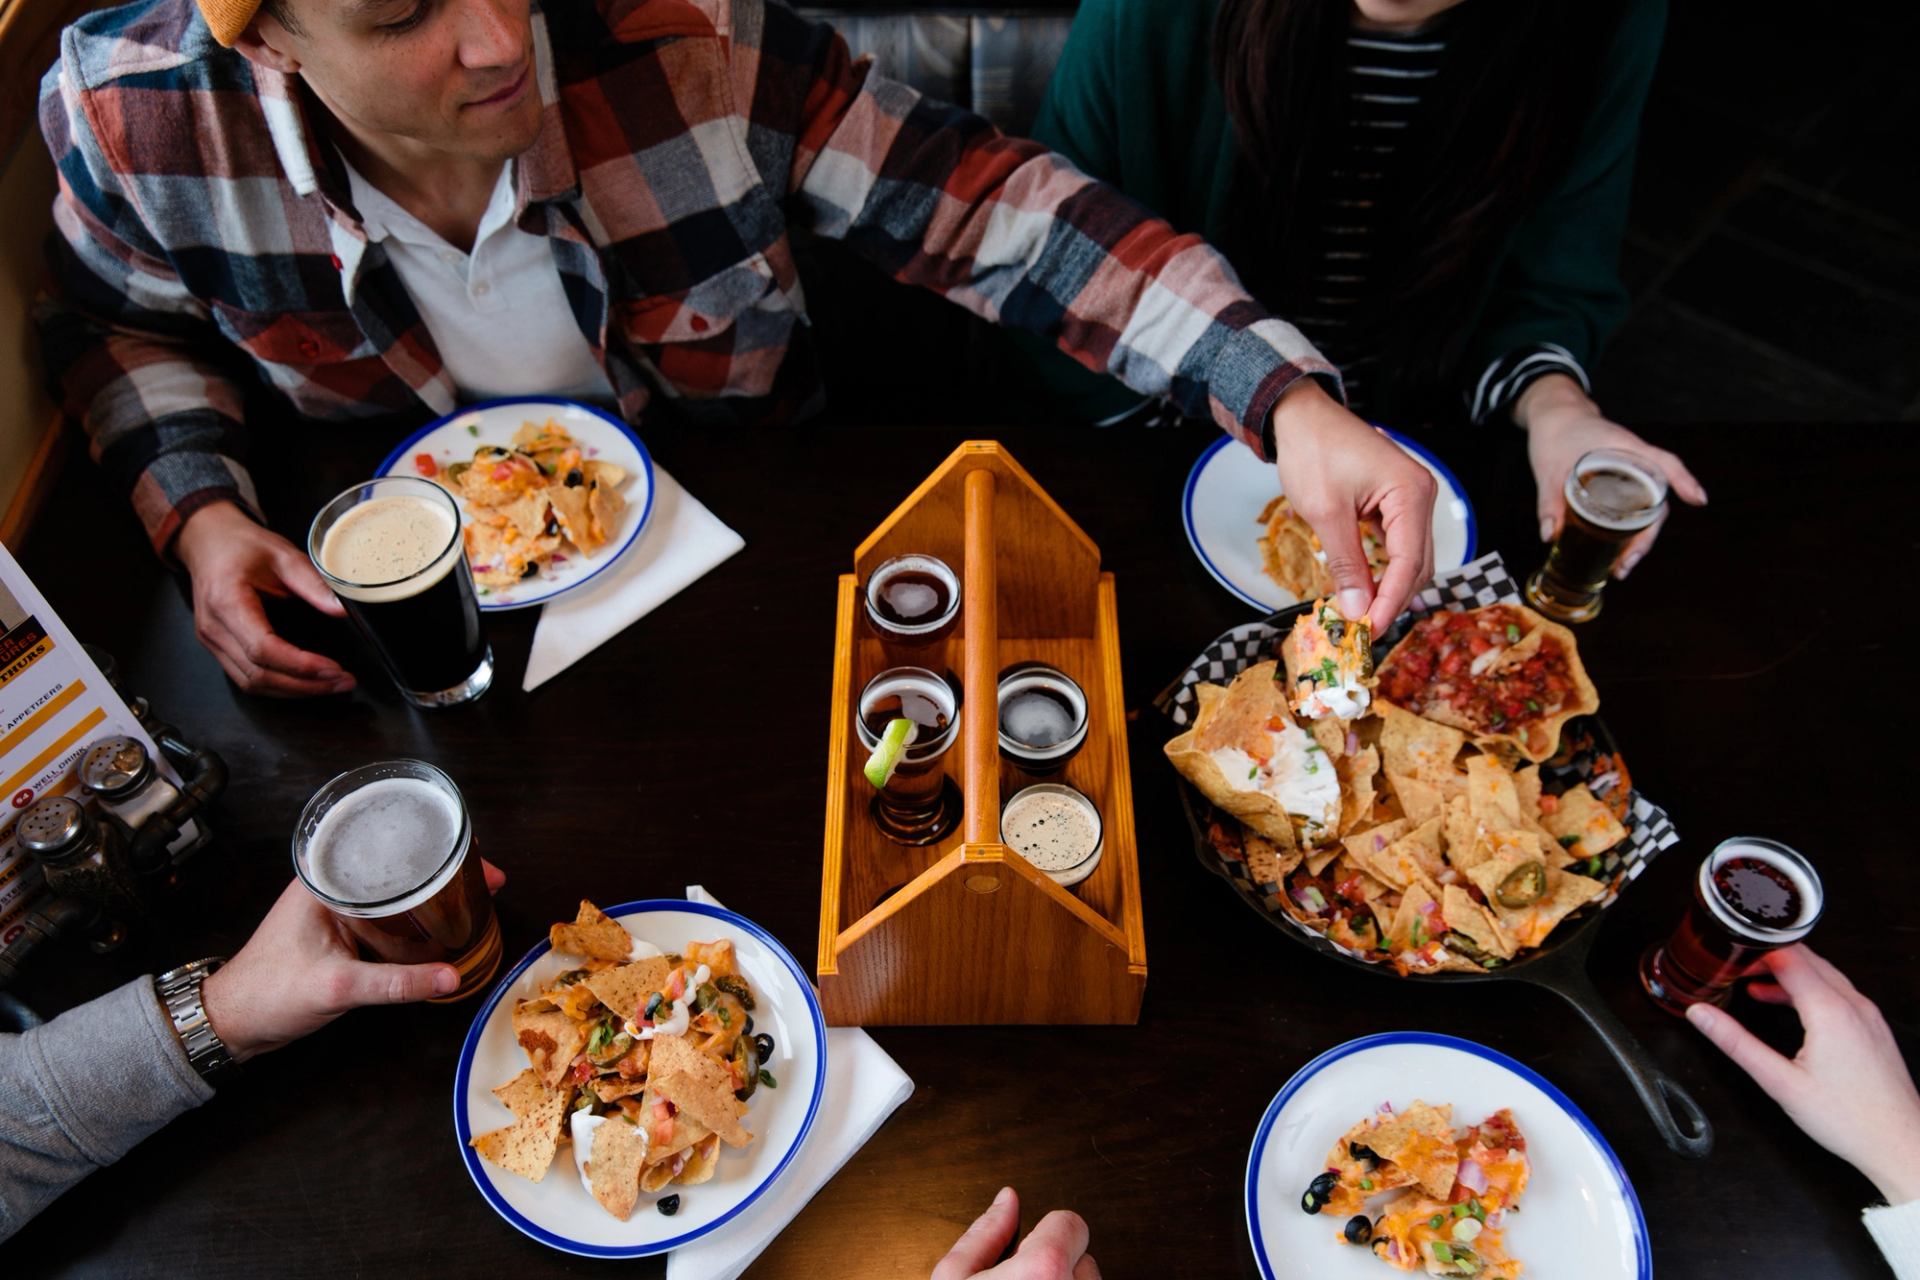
(1400, 838)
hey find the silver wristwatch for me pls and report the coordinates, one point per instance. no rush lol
(179, 992)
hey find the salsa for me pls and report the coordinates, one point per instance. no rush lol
(1454, 660)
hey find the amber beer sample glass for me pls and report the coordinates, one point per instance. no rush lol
(918, 805)
(391, 550)
(389, 850)
(1752, 896)
(1611, 496)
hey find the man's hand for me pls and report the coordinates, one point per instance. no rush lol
(300, 970)
(1847, 1087)
(1056, 1249)
(232, 560)
(1336, 469)
(1562, 423)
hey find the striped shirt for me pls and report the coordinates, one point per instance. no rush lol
(1345, 306)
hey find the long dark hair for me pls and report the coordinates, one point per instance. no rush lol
(1494, 132)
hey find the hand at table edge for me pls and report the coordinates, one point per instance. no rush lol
(1056, 1248)
(1848, 1088)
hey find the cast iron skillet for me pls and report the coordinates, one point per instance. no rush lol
(1559, 965)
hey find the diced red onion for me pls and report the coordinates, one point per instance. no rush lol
(1353, 743)
(1472, 1177)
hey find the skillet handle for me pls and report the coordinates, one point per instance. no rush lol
(1659, 1093)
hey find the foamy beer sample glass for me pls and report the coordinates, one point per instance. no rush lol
(389, 850)
(1611, 496)
(391, 550)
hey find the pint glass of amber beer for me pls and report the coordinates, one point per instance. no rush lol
(1611, 496)
(388, 849)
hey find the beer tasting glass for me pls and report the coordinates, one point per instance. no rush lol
(1043, 717)
(1611, 496)
(392, 552)
(913, 603)
(388, 849)
(1752, 896)
(918, 806)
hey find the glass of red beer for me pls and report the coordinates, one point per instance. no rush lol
(1752, 896)
(389, 850)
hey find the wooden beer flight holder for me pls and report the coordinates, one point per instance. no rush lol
(967, 931)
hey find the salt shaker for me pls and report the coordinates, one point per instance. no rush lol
(119, 772)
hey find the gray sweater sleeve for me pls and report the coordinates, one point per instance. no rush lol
(79, 1092)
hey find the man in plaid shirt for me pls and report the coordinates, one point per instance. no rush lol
(321, 195)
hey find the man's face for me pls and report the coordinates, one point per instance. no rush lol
(455, 76)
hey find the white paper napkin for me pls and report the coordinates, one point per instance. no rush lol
(682, 541)
(863, 1089)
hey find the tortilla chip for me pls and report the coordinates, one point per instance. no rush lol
(610, 475)
(550, 1038)
(700, 1085)
(1266, 862)
(1481, 927)
(603, 514)
(1415, 856)
(1411, 744)
(1356, 788)
(1331, 734)
(1583, 820)
(1419, 798)
(1529, 926)
(1240, 717)
(1492, 798)
(1462, 833)
(1420, 1140)
(570, 510)
(623, 987)
(522, 1095)
(702, 1160)
(592, 933)
(527, 1146)
(1363, 845)
(717, 956)
(1288, 552)
(1412, 909)
(619, 1150)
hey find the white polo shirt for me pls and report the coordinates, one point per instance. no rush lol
(499, 314)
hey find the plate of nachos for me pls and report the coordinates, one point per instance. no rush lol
(552, 492)
(640, 1078)
(1425, 1153)
(1248, 536)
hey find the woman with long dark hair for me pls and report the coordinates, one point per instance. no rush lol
(1433, 190)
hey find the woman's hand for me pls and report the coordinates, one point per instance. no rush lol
(1335, 469)
(300, 970)
(1562, 423)
(1847, 1087)
(1056, 1248)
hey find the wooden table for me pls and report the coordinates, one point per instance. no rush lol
(621, 779)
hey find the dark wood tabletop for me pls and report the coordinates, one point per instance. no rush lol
(1740, 669)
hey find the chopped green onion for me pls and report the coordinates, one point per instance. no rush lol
(766, 1078)
(1441, 1253)
(1593, 865)
(1532, 705)
(1460, 1211)
(473, 429)
(1567, 842)
(1513, 634)
(1477, 1209)
(1366, 1184)
(1435, 1222)
(1253, 773)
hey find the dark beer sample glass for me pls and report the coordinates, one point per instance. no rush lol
(1751, 896)
(913, 602)
(1611, 496)
(1043, 717)
(391, 549)
(389, 850)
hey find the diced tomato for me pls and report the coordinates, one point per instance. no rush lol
(502, 471)
(582, 1071)
(425, 465)
(676, 984)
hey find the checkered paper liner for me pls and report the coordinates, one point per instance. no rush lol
(1592, 758)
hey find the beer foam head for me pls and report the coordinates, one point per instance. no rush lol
(1615, 490)
(392, 546)
(390, 841)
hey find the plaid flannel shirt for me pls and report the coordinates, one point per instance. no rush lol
(206, 237)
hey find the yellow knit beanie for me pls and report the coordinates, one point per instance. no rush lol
(228, 18)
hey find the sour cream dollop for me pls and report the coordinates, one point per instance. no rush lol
(1299, 776)
(1343, 701)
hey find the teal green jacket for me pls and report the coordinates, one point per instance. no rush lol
(1134, 103)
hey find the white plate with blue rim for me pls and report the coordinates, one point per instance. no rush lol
(451, 439)
(559, 1210)
(1229, 486)
(1579, 1218)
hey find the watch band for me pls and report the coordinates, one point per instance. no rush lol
(179, 992)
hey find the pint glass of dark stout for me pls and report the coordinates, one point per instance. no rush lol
(1611, 496)
(391, 550)
(918, 806)
(1752, 896)
(389, 850)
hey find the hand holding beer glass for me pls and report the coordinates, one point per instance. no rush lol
(1612, 496)
(389, 850)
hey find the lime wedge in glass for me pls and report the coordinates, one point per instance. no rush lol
(888, 751)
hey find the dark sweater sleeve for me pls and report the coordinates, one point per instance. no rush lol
(1559, 288)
